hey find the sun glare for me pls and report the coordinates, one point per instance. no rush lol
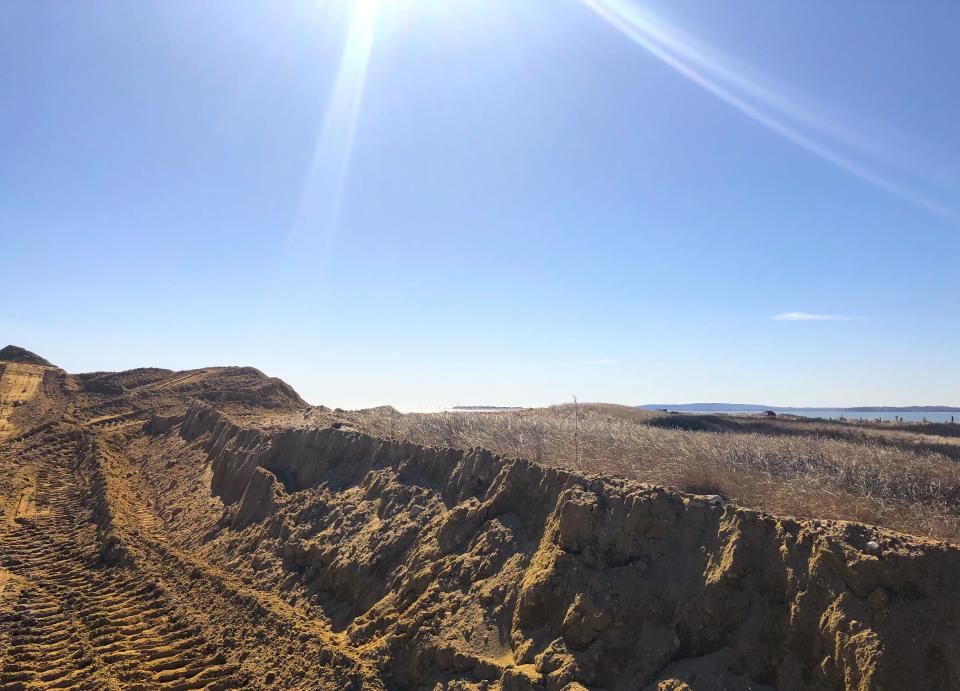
(322, 192)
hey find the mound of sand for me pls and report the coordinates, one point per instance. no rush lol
(12, 353)
(206, 529)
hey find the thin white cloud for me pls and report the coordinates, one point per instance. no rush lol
(603, 361)
(811, 317)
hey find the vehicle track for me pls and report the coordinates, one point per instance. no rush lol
(79, 624)
(182, 379)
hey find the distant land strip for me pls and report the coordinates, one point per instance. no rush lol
(742, 407)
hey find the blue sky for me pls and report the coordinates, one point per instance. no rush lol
(427, 202)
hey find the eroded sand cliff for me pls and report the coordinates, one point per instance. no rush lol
(291, 551)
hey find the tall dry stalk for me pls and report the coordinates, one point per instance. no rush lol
(576, 436)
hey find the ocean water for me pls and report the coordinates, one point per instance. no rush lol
(837, 414)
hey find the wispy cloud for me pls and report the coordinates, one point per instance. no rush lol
(811, 317)
(603, 361)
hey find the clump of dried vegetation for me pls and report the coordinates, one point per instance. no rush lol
(902, 476)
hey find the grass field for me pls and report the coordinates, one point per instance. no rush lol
(900, 475)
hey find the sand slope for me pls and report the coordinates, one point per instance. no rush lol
(208, 530)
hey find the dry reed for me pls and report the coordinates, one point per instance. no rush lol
(817, 472)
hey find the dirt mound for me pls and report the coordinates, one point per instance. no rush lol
(12, 353)
(172, 536)
(462, 565)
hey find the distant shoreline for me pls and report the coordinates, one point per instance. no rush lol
(742, 407)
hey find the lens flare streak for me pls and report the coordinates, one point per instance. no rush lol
(772, 108)
(321, 199)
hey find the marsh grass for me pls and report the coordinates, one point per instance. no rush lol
(809, 470)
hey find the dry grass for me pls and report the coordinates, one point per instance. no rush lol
(908, 482)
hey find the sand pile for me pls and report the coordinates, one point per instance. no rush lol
(257, 543)
(12, 353)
